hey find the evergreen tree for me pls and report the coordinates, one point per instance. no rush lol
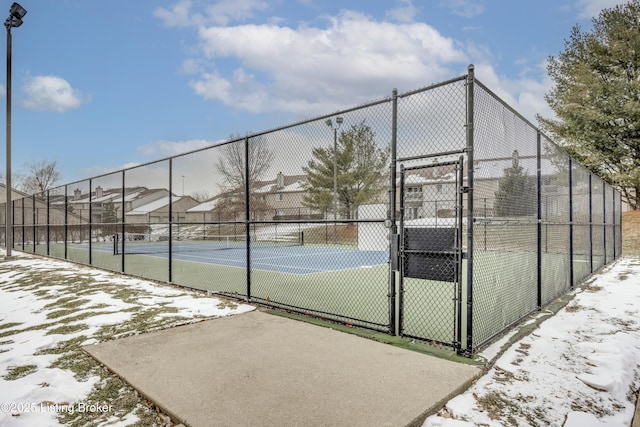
(109, 217)
(362, 172)
(596, 97)
(516, 192)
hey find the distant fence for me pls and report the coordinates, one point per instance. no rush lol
(320, 217)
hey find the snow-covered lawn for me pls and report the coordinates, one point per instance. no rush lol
(49, 309)
(580, 368)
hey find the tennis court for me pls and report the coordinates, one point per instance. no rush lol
(285, 254)
(480, 256)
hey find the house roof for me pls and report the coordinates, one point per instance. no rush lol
(205, 206)
(152, 206)
(294, 187)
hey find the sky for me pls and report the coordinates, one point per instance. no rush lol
(576, 369)
(98, 86)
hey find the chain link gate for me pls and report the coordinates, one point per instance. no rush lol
(430, 252)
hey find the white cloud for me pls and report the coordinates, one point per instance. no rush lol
(225, 11)
(464, 8)
(312, 69)
(299, 69)
(179, 15)
(222, 12)
(404, 12)
(164, 148)
(51, 93)
(524, 94)
(591, 8)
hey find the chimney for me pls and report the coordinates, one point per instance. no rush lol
(516, 159)
(98, 192)
(77, 194)
(280, 180)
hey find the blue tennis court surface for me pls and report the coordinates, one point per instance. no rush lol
(293, 259)
(297, 260)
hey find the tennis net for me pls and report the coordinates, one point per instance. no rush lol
(153, 243)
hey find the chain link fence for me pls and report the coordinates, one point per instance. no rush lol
(440, 214)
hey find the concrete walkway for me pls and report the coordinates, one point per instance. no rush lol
(258, 369)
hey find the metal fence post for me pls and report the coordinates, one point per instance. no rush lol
(590, 223)
(90, 219)
(393, 229)
(122, 227)
(401, 267)
(613, 214)
(66, 219)
(571, 272)
(604, 222)
(247, 214)
(539, 215)
(48, 222)
(469, 149)
(34, 214)
(22, 225)
(170, 272)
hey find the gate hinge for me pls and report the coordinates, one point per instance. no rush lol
(465, 189)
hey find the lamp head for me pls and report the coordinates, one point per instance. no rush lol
(339, 120)
(328, 122)
(17, 11)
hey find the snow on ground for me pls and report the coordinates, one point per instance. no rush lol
(579, 368)
(49, 309)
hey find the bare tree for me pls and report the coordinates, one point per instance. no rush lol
(17, 178)
(201, 196)
(231, 165)
(40, 177)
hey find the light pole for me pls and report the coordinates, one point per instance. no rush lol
(329, 123)
(16, 13)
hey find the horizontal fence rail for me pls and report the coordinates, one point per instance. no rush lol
(439, 214)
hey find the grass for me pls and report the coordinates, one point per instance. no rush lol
(401, 342)
(65, 310)
(15, 372)
(631, 233)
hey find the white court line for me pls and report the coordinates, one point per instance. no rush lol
(222, 262)
(225, 262)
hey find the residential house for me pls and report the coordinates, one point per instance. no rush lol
(157, 211)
